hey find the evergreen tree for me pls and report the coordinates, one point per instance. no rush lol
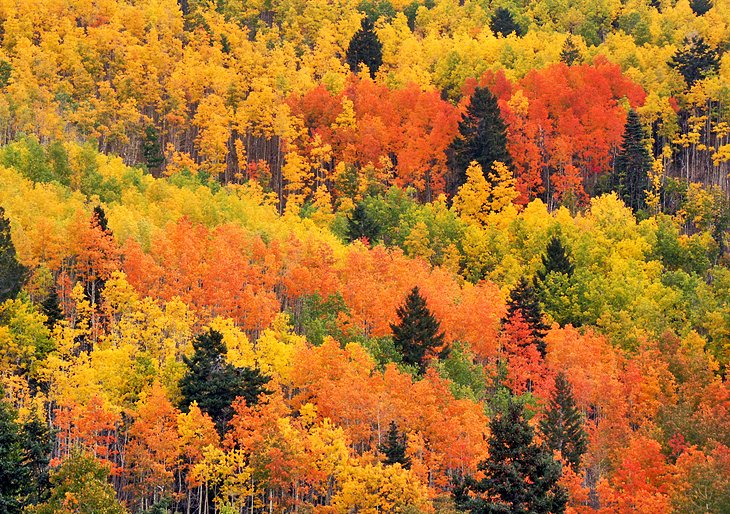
(151, 148)
(100, 216)
(503, 22)
(555, 260)
(14, 474)
(51, 307)
(394, 447)
(365, 48)
(633, 164)
(519, 475)
(12, 273)
(525, 299)
(570, 54)
(418, 331)
(700, 7)
(482, 136)
(214, 383)
(562, 426)
(360, 224)
(695, 60)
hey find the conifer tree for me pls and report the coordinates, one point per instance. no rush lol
(525, 300)
(555, 260)
(570, 54)
(394, 447)
(633, 164)
(417, 334)
(14, 475)
(520, 476)
(503, 22)
(361, 225)
(12, 273)
(482, 136)
(214, 383)
(51, 307)
(365, 48)
(100, 216)
(562, 426)
(695, 60)
(151, 148)
(700, 7)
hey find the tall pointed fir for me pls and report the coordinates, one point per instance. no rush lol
(633, 164)
(700, 7)
(503, 23)
(12, 273)
(365, 48)
(361, 225)
(51, 307)
(556, 259)
(524, 299)
(417, 335)
(695, 60)
(570, 54)
(482, 137)
(394, 447)
(562, 426)
(152, 149)
(519, 475)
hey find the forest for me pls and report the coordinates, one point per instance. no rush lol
(364, 256)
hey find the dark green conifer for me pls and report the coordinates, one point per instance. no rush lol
(51, 307)
(562, 426)
(394, 447)
(519, 475)
(417, 333)
(525, 299)
(361, 225)
(700, 7)
(556, 259)
(151, 147)
(365, 48)
(14, 474)
(695, 60)
(633, 164)
(570, 54)
(503, 23)
(12, 273)
(214, 383)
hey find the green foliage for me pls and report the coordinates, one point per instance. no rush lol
(695, 60)
(467, 378)
(14, 474)
(365, 48)
(570, 54)
(394, 447)
(6, 70)
(318, 318)
(562, 426)
(700, 7)
(525, 300)
(214, 384)
(51, 307)
(633, 164)
(12, 272)
(151, 148)
(556, 259)
(503, 23)
(361, 225)
(377, 9)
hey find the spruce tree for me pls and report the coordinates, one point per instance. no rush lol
(214, 383)
(14, 474)
(418, 331)
(700, 7)
(99, 216)
(365, 48)
(394, 447)
(633, 164)
(525, 299)
(556, 259)
(361, 225)
(503, 22)
(12, 273)
(151, 148)
(562, 426)
(570, 54)
(695, 60)
(51, 307)
(520, 476)
(482, 136)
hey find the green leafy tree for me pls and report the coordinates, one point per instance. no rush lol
(633, 164)
(524, 299)
(151, 148)
(695, 60)
(482, 137)
(12, 273)
(520, 476)
(570, 54)
(394, 447)
(361, 225)
(562, 426)
(503, 22)
(365, 48)
(418, 333)
(214, 383)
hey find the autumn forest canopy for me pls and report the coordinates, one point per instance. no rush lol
(375, 256)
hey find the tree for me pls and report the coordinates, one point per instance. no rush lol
(519, 475)
(417, 335)
(562, 426)
(51, 307)
(695, 60)
(12, 273)
(365, 48)
(151, 148)
(633, 164)
(14, 475)
(700, 7)
(503, 22)
(214, 384)
(525, 300)
(38, 445)
(556, 259)
(482, 135)
(81, 486)
(570, 54)
(361, 225)
(394, 447)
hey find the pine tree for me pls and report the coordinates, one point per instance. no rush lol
(14, 475)
(695, 60)
(361, 225)
(417, 334)
(51, 307)
(482, 136)
(214, 383)
(365, 48)
(700, 7)
(12, 273)
(519, 475)
(151, 149)
(570, 54)
(562, 426)
(100, 216)
(524, 299)
(556, 259)
(38, 445)
(394, 447)
(633, 164)
(503, 22)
